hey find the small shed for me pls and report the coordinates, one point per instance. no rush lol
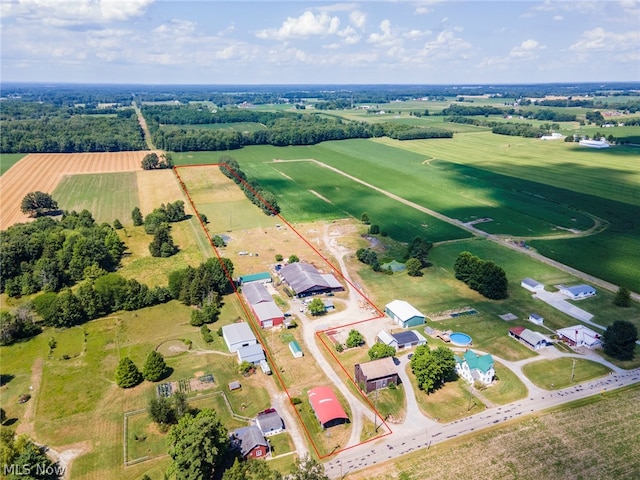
(386, 338)
(295, 349)
(234, 386)
(531, 285)
(535, 318)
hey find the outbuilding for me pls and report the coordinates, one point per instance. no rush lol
(261, 277)
(531, 339)
(326, 407)
(256, 293)
(305, 280)
(404, 314)
(268, 314)
(376, 374)
(531, 285)
(408, 339)
(535, 318)
(252, 354)
(238, 335)
(294, 348)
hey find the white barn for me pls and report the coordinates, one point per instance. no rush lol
(580, 336)
(238, 335)
(531, 285)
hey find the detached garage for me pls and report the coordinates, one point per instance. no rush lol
(404, 314)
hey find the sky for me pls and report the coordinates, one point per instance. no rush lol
(317, 42)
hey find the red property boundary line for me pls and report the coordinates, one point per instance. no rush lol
(253, 321)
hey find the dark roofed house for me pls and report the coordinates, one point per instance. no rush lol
(250, 441)
(269, 422)
(376, 374)
(408, 339)
(306, 280)
(326, 406)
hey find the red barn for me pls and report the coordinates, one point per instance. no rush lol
(326, 406)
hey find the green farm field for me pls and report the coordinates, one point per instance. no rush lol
(106, 195)
(8, 160)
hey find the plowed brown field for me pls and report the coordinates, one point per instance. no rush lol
(43, 172)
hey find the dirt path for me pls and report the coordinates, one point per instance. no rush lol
(145, 128)
(27, 425)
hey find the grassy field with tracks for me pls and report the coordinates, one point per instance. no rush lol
(8, 160)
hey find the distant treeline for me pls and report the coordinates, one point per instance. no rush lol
(281, 129)
(46, 129)
(262, 198)
(503, 128)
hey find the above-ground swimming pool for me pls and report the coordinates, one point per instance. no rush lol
(460, 339)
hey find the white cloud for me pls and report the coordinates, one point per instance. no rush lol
(527, 50)
(62, 13)
(599, 39)
(412, 34)
(386, 38)
(446, 46)
(358, 18)
(424, 7)
(558, 18)
(350, 35)
(306, 25)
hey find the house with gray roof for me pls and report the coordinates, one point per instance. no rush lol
(305, 280)
(531, 285)
(252, 354)
(269, 422)
(250, 441)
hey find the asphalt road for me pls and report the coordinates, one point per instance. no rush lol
(423, 434)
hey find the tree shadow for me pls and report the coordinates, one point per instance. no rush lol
(5, 378)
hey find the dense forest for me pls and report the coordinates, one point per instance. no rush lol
(46, 128)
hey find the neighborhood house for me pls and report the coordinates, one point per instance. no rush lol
(400, 340)
(475, 368)
(580, 336)
(269, 422)
(578, 292)
(250, 441)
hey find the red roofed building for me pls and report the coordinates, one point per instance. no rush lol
(326, 406)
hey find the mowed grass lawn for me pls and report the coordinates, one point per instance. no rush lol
(557, 373)
(597, 440)
(106, 195)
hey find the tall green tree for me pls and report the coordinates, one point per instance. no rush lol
(127, 374)
(37, 203)
(306, 468)
(380, 350)
(622, 298)
(316, 307)
(355, 339)
(619, 340)
(160, 411)
(251, 470)
(414, 267)
(22, 455)
(136, 216)
(197, 445)
(155, 368)
(162, 244)
(66, 311)
(432, 368)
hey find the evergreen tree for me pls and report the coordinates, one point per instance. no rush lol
(154, 368)
(162, 244)
(160, 411)
(622, 298)
(127, 374)
(136, 216)
(619, 340)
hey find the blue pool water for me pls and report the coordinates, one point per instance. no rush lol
(460, 339)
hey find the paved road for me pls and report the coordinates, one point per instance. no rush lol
(423, 435)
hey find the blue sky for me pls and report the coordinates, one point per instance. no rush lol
(310, 42)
